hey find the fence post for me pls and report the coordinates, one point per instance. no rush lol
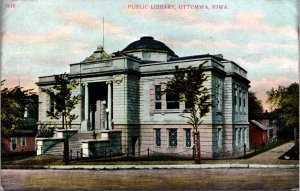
(109, 153)
(244, 150)
(81, 153)
(105, 154)
(148, 151)
(193, 152)
(77, 154)
(71, 154)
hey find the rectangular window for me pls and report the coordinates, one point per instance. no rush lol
(172, 100)
(13, 142)
(23, 141)
(236, 99)
(240, 100)
(244, 101)
(188, 141)
(172, 137)
(51, 104)
(157, 97)
(188, 105)
(157, 137)
(219, 97)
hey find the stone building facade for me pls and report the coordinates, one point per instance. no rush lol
(121, 91)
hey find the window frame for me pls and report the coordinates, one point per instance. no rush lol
(23, 141)
(169, 138)
(156, 130)
(11, 143)
(174, 102)
(157, 101)
(188, 138)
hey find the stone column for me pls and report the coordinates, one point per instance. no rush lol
(109, 103)
(85, 122)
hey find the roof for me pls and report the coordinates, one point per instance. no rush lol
(147, 43)
(21, 133)
(259, 125)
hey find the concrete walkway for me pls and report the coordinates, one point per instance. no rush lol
(272, 156)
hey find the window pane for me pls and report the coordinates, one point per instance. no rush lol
(157, 93)
(172, 101)
(172, 137)
(157, 105)
(188, 105)
(13, 144)
(157, 97)
(23, 141)
(188, 142)
(157, 138)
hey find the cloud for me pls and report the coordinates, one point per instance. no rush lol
(256, 46)
(202, 44)
(90, 22)
(278, 64)
(243, 21)
(55, 35)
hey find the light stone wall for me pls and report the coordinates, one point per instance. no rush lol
(148, 140)
(135, 115)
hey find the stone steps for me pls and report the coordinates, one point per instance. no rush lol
(74, 145)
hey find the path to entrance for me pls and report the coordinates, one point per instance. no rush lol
(271, 156)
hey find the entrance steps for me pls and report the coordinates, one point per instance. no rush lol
(74, 145)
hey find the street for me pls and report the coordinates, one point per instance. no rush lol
(175, 179)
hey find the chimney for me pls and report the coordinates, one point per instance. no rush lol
(218, 55)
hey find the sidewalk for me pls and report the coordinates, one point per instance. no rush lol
(272, 156)
(268, 159)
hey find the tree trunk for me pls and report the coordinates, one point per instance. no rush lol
(66, 151)
(197, 147)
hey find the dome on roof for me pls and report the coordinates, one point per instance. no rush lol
(148, 44)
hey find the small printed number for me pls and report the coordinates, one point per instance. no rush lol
(10, 5)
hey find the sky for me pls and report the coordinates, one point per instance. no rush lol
(42, 37)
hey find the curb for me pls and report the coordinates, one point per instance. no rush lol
(150, 167)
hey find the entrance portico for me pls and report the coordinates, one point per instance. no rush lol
(96, 106)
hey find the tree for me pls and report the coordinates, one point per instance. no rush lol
(189, 84)
(64, 103)
(255, 106)
(14, 102)
(285, 100)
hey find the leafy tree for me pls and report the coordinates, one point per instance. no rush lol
(189, 84)
(14, 102)
(285, 100)
(255, 106)
(64, 102)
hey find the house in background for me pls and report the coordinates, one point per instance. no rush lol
(258, 134)
(270, 119)
(121, 96)
(21, 141)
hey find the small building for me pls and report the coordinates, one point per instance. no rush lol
(122, 92)
(20, 141)
(270, 119)
(258, 134)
